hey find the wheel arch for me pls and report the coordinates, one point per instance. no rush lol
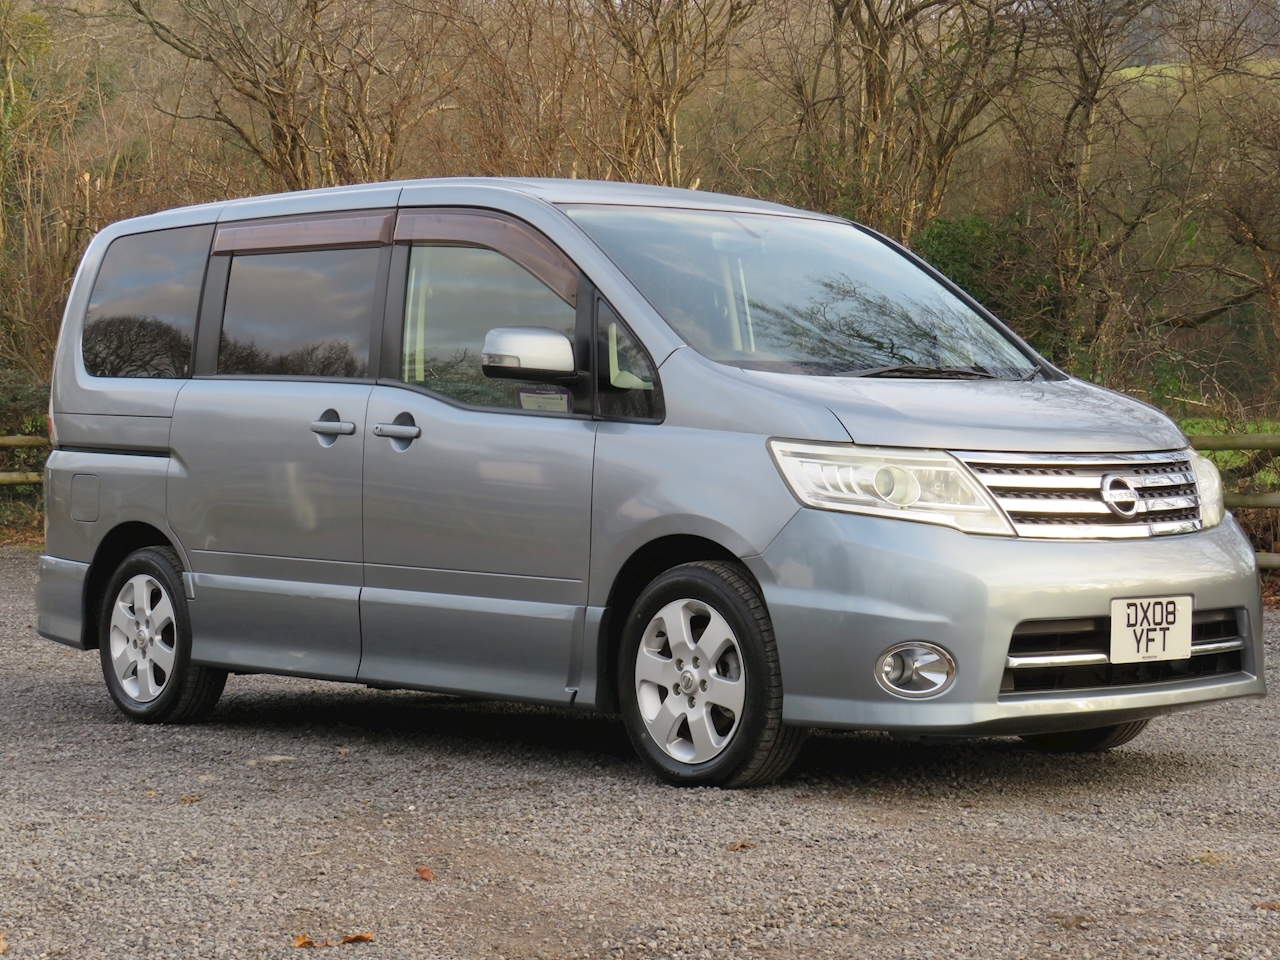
(639, 570)
(121, 541)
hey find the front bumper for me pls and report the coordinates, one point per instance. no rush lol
(841, 588)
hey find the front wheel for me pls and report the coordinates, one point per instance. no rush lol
(1097, 740)
(144, 638)
(699, 680)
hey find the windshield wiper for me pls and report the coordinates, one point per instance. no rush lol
(923, 371)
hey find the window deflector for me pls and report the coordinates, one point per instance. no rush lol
(510, 237)
(346, 229)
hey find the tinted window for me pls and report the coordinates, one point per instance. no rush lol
(303, 314)
(627, 384)
(455, 296)
(795, 295)
(142, 312)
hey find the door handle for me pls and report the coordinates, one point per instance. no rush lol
(333, 428)
(397, 431)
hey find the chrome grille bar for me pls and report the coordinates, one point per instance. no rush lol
(1032, 661)
(1084, 641)
(1042, 660)
(1092, 496)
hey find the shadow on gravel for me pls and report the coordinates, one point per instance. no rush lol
(410, 721)
(1006, 765)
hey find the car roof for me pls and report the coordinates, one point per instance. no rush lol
(388, 194)
(564, 191)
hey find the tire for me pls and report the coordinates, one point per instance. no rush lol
(700, 634)
(1097, 740)
(145, 643)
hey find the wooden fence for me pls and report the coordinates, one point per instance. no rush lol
(10, 477)
(1239, 441)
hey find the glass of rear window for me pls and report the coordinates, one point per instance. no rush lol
(796, 295)
(142, 312)
(301, 314)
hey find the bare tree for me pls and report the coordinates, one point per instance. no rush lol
(321, 92)
(591, 87)
(885, 93)
(666, 49)
(57, 188)
(525, 91)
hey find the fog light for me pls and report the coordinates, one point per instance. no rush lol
(915, 669)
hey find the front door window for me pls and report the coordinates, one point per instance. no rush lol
(455, 296)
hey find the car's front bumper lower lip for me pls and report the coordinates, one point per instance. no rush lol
(842, 588)
(1026, 713)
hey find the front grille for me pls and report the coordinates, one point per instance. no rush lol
(1072, 654)
(1092, 497)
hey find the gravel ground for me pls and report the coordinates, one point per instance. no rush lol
(305, 808)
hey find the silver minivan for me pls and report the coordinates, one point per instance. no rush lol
(731, 469)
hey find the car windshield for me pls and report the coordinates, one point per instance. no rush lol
(796, 295)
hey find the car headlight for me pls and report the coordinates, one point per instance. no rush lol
(929, 486)
(1209, 488)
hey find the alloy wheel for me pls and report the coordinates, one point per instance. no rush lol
(690, 681)
(143, 632)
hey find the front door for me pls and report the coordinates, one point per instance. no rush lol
(264, 488)
(477, 492)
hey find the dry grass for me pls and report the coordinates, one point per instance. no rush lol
(21, 520)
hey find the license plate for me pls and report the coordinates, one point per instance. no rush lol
(1150, 628)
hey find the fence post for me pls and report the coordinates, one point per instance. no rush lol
(12, 478)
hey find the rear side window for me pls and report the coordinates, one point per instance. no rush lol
(455, 296)
(142, 313)
(301, 314)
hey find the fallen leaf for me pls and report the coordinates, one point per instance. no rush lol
(4, 944)
(149, 793)
(302, 941)
(190, 799)
(425, 873)
(743, 844)
(1267, 905)
(1210, 859)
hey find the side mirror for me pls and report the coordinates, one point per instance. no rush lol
(528, 353)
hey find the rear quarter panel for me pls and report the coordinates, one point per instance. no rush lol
(131, 488)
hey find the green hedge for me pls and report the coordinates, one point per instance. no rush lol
(24, 404)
